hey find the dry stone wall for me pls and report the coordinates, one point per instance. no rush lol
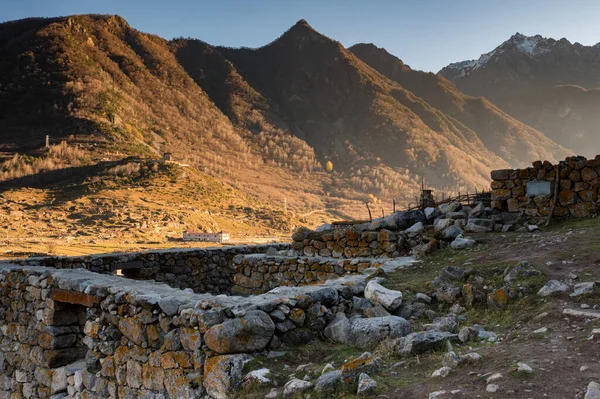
(256, 274)
(207, 270)
(578, 185)
(76, 333)
(384, 237)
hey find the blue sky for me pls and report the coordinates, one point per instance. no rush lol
(426, 34)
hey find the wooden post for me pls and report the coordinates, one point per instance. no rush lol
(382, 213)
(556, 188)
(47, 141)
(394, 205)
(369, 209)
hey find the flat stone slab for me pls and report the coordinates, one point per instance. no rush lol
(582, 313)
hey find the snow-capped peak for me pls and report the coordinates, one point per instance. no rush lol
(532, 46)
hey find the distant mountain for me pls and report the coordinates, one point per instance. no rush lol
(265, 121)
(510, 139)
(548, 84)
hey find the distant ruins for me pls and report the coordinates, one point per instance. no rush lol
(201, 236)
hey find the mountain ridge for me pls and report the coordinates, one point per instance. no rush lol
(266, 120)
(527, 76)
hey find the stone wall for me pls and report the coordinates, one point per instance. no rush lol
(256, 274)
(91, 335)
(202, 270)
(386, 237)
(579, 183)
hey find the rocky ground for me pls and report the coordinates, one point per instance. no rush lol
(513, 316)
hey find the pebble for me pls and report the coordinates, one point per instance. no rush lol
(441, 373)
(494, 377)
(524, 368)
(436, 394)
(542, 330)
(583, 368)
(492, 388)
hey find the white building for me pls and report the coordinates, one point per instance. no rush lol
(206, 237)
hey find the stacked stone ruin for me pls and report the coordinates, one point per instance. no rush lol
(171, 326)
(79, 334)
(384, 237)
(577, 179)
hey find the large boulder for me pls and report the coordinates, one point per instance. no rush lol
(449, 274)
(406, 219)
(553, 287)
(365, 363)
(366, 385)
(441, 224)
(249, 333)
(339, 329)
(450, 207)
(301, 233)
(417, 228)
(327, 296)
(431, 213)
(479, 225)
(478, 210)
(446, 323)
(461, 242)
(424, 341)
(367, 333)
(379, 295)
(328, 382)
(223, 374)
(295, 387)
(520, 271)
(448, 293)
(450, 233)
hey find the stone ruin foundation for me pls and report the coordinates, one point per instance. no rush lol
(81, 334)
(173, 323)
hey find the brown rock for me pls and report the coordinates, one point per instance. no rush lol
(575, 176)
(588, 195)
(223, 374)
(518, 191)
(567, 197)
(541, 175)
(565, 184)
(582, 209)
(564, 173)
(588, 174)
(580, 185)
(501, 174)
(513, 205)
(523, 173)
(497, 184)
(501, 194)
(352, 234)
(153, 377)
(249, 333)
(133, 329)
